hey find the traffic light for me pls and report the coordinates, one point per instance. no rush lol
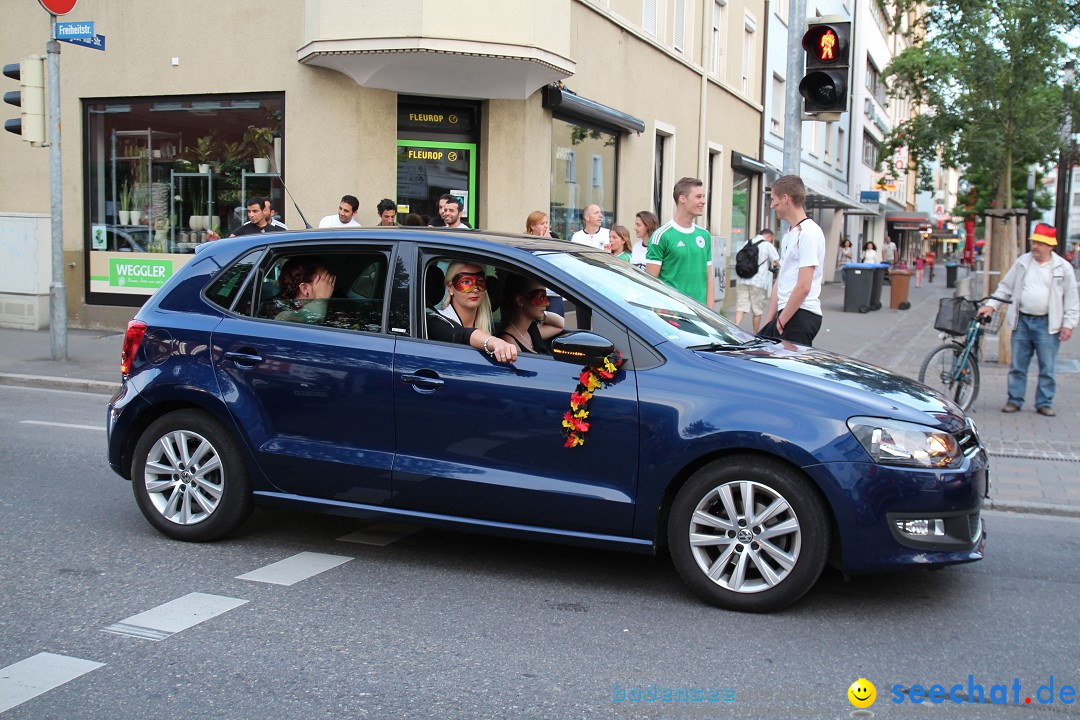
(30, 98)
(824, 87)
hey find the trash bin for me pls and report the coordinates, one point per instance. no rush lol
(898, 292)
(875, 288)
(857, 286)
(950, 275)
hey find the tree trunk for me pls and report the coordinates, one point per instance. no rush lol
(1004, 246)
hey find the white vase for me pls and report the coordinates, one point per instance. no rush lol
(262, 165)
(194, 222)
(204, 168)
(135, 216)
(125, 216)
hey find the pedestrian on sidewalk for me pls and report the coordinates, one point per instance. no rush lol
(844, 255)
(1044, 311)
(752, 293)
(920, 264)
(795, 303)
(680, 252)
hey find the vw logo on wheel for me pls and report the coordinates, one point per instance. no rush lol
(745, 536)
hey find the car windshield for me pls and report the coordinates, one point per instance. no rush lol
(677, 317)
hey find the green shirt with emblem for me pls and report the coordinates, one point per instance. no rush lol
(684, 255)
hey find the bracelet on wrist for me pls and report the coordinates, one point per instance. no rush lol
(489, 339)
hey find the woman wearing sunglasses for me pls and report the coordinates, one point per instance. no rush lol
(527, 323)
(464, 313)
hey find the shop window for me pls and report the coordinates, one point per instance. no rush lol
(163, 174)
(719, 38)
(575, 185)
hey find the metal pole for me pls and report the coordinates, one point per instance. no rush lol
(1064, 169)
(1030, 209)
(792, 99)
(57, 291)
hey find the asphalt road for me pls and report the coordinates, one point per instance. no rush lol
(446, 625)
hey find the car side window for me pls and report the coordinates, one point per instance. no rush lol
(343, 290)
(225, 288)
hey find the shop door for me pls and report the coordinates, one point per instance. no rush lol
(428, 169)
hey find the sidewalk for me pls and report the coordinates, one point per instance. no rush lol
(1035, 460)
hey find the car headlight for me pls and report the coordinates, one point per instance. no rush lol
(893, 442)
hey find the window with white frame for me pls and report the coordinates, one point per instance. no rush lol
(648, 17)
(828, 145)
(749, 27)
(678, 33)
(783, 9)
(870, 149)
(812, 130)
(719, 38)
(779, 90)
(840, 148)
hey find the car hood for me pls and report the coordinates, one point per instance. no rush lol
(869, 389)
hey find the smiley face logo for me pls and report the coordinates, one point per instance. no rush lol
(862, 693)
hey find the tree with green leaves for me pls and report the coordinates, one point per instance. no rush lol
(985, 78)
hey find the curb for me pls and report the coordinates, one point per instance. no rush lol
(98, 387)
(1036, 508)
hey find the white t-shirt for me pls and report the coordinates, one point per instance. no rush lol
(1035, 295)
(332, 221)
(600, 239)
(637, 255)
(888, 252)
(766, 255)
(803, 246)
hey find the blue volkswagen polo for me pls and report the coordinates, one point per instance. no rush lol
(649, 422)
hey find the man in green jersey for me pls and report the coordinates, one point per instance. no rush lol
(680, 253)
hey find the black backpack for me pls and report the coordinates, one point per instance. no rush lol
(746, 260)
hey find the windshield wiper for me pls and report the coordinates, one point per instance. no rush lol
(716, 346)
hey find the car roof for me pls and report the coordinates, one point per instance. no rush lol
(463, 240)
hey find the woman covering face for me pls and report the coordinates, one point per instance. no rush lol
(527, 322)
(464, 313)
(305, 285)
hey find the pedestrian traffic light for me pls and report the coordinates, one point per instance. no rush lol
(824, 87)
(30, 98)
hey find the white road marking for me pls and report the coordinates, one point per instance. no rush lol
(39, 674)
(293, 569)
(67, 425)
(174, 616)
(380, 534)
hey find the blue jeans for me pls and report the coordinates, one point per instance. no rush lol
(1031, 335)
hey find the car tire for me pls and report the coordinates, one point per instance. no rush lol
(189, 477)
(758, 564)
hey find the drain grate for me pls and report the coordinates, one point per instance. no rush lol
(1035, 455)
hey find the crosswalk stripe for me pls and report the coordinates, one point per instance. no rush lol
(380, 534)
(99, 428)
(39, 674)
(172, 617)
(293, 569)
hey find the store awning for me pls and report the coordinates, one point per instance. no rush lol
(445, 67)
(748, 164)
(908, 220)
(821, 198)
(570, 103)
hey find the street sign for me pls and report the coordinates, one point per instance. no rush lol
(74, 30)
(97, 42)
(58, 7)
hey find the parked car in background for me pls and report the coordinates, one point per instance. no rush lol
(752, 462)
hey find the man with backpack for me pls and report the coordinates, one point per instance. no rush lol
(753, 269)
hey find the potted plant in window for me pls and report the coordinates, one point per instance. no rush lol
(124, 200)
(261, 142)
(205, 152)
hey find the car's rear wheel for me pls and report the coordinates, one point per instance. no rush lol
(748, 534)
(189, 477)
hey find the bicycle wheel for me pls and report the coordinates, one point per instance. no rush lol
(942, 371)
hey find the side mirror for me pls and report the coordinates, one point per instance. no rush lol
(581, 348)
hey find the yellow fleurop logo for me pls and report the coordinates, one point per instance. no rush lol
(862, 695)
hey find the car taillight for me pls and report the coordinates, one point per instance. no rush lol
(134, 335)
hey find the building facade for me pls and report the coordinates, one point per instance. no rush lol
(519, 106)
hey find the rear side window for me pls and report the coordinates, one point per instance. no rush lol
(226, 287)
(344, 290)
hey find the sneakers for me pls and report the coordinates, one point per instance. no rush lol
(1047, 411)
(1010, 408)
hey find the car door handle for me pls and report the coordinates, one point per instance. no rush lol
(244, 359)
(422, 380)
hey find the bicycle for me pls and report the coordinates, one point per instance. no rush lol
(953, 368)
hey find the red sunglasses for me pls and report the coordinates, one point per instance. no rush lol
(469, 282)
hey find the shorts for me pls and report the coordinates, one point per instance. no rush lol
(750, 298)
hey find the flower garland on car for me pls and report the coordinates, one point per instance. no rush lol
(591, 379)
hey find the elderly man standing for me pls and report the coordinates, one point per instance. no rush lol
(1044, 311)
(593, 233)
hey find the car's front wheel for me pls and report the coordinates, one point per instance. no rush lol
(189, 477)
(748, 534)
